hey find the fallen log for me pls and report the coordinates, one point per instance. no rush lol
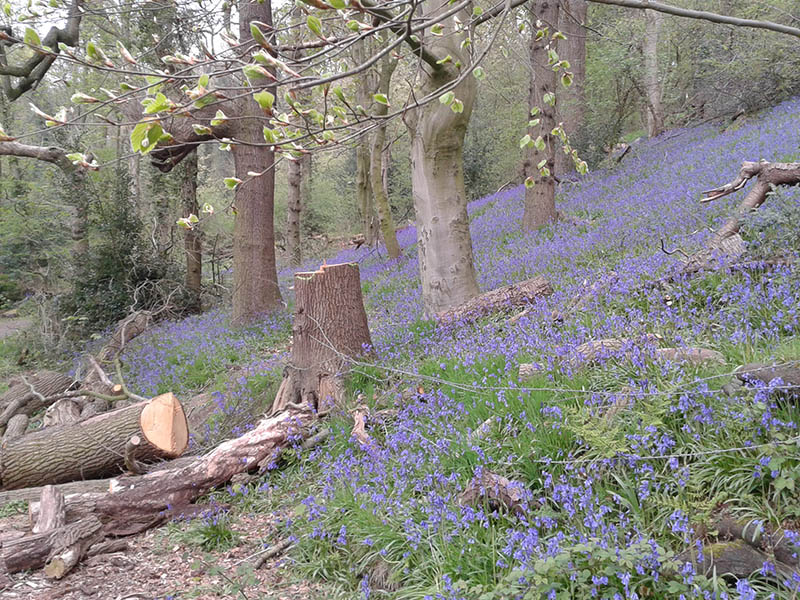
(62, 412)
(17, 426)
(580, 300)
(501, 299)
(96, 447)
(32, 394)
(763, 374)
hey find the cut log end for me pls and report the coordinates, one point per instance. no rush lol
(164, 424)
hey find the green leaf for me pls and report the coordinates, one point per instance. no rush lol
(381, 99)
(219, 118)
(201, 129)
(539, 144)
(535, 111)
(353, 25)
(315, 25)
(533, 122)
(447, 98)
(437, 29)
(232, 182)
(269, 135)
(477, 11)
(157, 104)
(444, 60)
(202, 81)
(338, 4)
(525, 141)
(258, 36)
(529, 182)
(566, 79)
(255, 73)
(146, 135)
(457, 106)
(549, 98)
(339, 93)
(32, 38)
(478, 73)
(265, 100)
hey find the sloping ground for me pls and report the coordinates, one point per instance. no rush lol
(604, 503)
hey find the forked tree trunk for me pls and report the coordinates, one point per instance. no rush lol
(540, 198)
(437, 176)
(385, 219)
(192, 241)
(96, 447)
(570, 108)
(652, 83)
(330, 327)
(255, 274)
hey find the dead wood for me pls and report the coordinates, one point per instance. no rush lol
(763, 375)
(360, 426)
(330, 328)
(17, 426)
(33, 393)
(62, 412)
(497, 491)
(52, 513)
(94, 448)
(501, 299)
(696, 356)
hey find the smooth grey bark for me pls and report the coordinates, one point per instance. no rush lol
(571, 104)
(540, 199)
(652, 81)
(379, 195)
(437, 175)
(294, 208)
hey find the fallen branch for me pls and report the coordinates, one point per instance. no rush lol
(499, 300)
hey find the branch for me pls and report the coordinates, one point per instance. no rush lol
(36, 67)
(701, 14)
(51, 154)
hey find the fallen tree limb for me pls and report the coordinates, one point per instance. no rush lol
(498, 300)
(33, 393)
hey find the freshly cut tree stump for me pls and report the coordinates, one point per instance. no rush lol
(96, 447)
(498, 300)
(330, 328)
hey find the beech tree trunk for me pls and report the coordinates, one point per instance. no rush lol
(385, 219)
(363, 192)
(437, 175)
(330, 326)
(294, 207)
(540, 198)
(255, 274)
(95, 447)
(571, 102)
(192, 241)
(652, 81)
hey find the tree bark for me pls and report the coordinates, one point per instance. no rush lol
(330, 326)
(500, 299)
(192, 240)
(294, 208)
(32, 393)
(571, 102)
(540, 198)
(652, 81)
(255, 274)
(385, 219)
(95, 447)
(363, 192)
(437, 175)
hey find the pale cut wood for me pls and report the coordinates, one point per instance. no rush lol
(164, 425)
(92, 448)
(52, 514)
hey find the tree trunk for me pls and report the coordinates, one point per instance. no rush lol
(652, 83)
(192, 241)
(571, 107)
(363, 192)
(330, 326)
(95, 447)
(32, 394)
(540, 198)
(385, 218)
(294, 207)
(255, 274)
(500, 299)
(437, 176)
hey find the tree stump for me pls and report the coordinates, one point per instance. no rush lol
(330, 327)
(96, 447)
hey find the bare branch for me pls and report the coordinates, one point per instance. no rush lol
(701, 14)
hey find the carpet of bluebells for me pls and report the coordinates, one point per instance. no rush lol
(607, 502)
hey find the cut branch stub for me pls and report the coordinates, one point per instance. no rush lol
(330, 327)
(95, 447)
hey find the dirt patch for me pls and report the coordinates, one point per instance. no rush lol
(155, 567)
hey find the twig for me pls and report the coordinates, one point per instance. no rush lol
(271, 552)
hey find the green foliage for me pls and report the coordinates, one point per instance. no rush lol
(10, 291)
(11, 509)
(212, 533)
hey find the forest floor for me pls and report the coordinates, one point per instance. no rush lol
(12, 326)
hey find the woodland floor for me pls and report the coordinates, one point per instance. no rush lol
(154, 566)
(9, 327)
